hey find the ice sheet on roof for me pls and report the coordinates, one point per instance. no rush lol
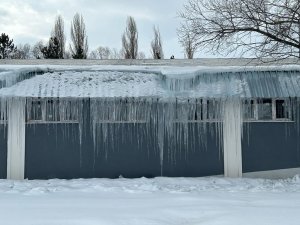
(248, 84)
(157, 82)
(87, 84)
(11, 77)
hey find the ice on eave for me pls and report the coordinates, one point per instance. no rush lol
(151, 81)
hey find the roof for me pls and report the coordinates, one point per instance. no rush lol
(106, 81)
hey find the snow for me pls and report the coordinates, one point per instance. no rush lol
(158, 201)
(87, 84)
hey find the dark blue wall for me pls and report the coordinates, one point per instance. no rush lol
(270, 146)
(54, 151)
(3, 151)
(197, 157)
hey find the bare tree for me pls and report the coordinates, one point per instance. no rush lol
(104, 52)
(156, 45)
(22, 52)
(101, 53)
(37, 50)
(130, 40)
(59, 32)
(188, 41)
(141, 55)
(267, 28)
(93, 54)
(79, 46)
(68, 55)
(116, 54)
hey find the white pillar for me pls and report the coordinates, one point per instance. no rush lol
(16, 139)
(232, 135)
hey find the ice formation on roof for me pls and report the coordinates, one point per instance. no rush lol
(151, 82)
(87, 84)
(9, 78)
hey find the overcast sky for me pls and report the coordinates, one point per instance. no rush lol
(28, 21)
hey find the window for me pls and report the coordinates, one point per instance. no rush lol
(249, 109)
(282, 111)
(213, 109)
(198, 110)
(129, 110)
(35, 111)
(264, 107)
(3, 113)
(51, 111)
(64, 111)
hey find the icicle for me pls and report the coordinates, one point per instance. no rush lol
(9, 78)
(160, 141)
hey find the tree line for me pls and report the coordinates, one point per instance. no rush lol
(260, 28)
(56, 47)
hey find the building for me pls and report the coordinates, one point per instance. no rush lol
(133, 121)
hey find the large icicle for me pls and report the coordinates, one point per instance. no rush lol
(232, 135)
(16, 139)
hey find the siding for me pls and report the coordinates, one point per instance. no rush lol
(270, 146)
(3, 151)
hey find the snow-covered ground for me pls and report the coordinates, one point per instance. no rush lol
(182, 201)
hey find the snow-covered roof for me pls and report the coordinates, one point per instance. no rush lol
(149, 81)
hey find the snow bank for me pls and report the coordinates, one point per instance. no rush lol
(158, 201)
(151, 185)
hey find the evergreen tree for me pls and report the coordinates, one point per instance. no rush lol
(79, 54)
(52, 51)
(6, 46)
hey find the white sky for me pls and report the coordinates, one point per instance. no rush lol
(28, 21)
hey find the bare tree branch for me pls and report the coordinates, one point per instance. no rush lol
(265, 28)
(188, 41)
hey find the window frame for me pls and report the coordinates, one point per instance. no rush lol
(273, 110)
(43, 117)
